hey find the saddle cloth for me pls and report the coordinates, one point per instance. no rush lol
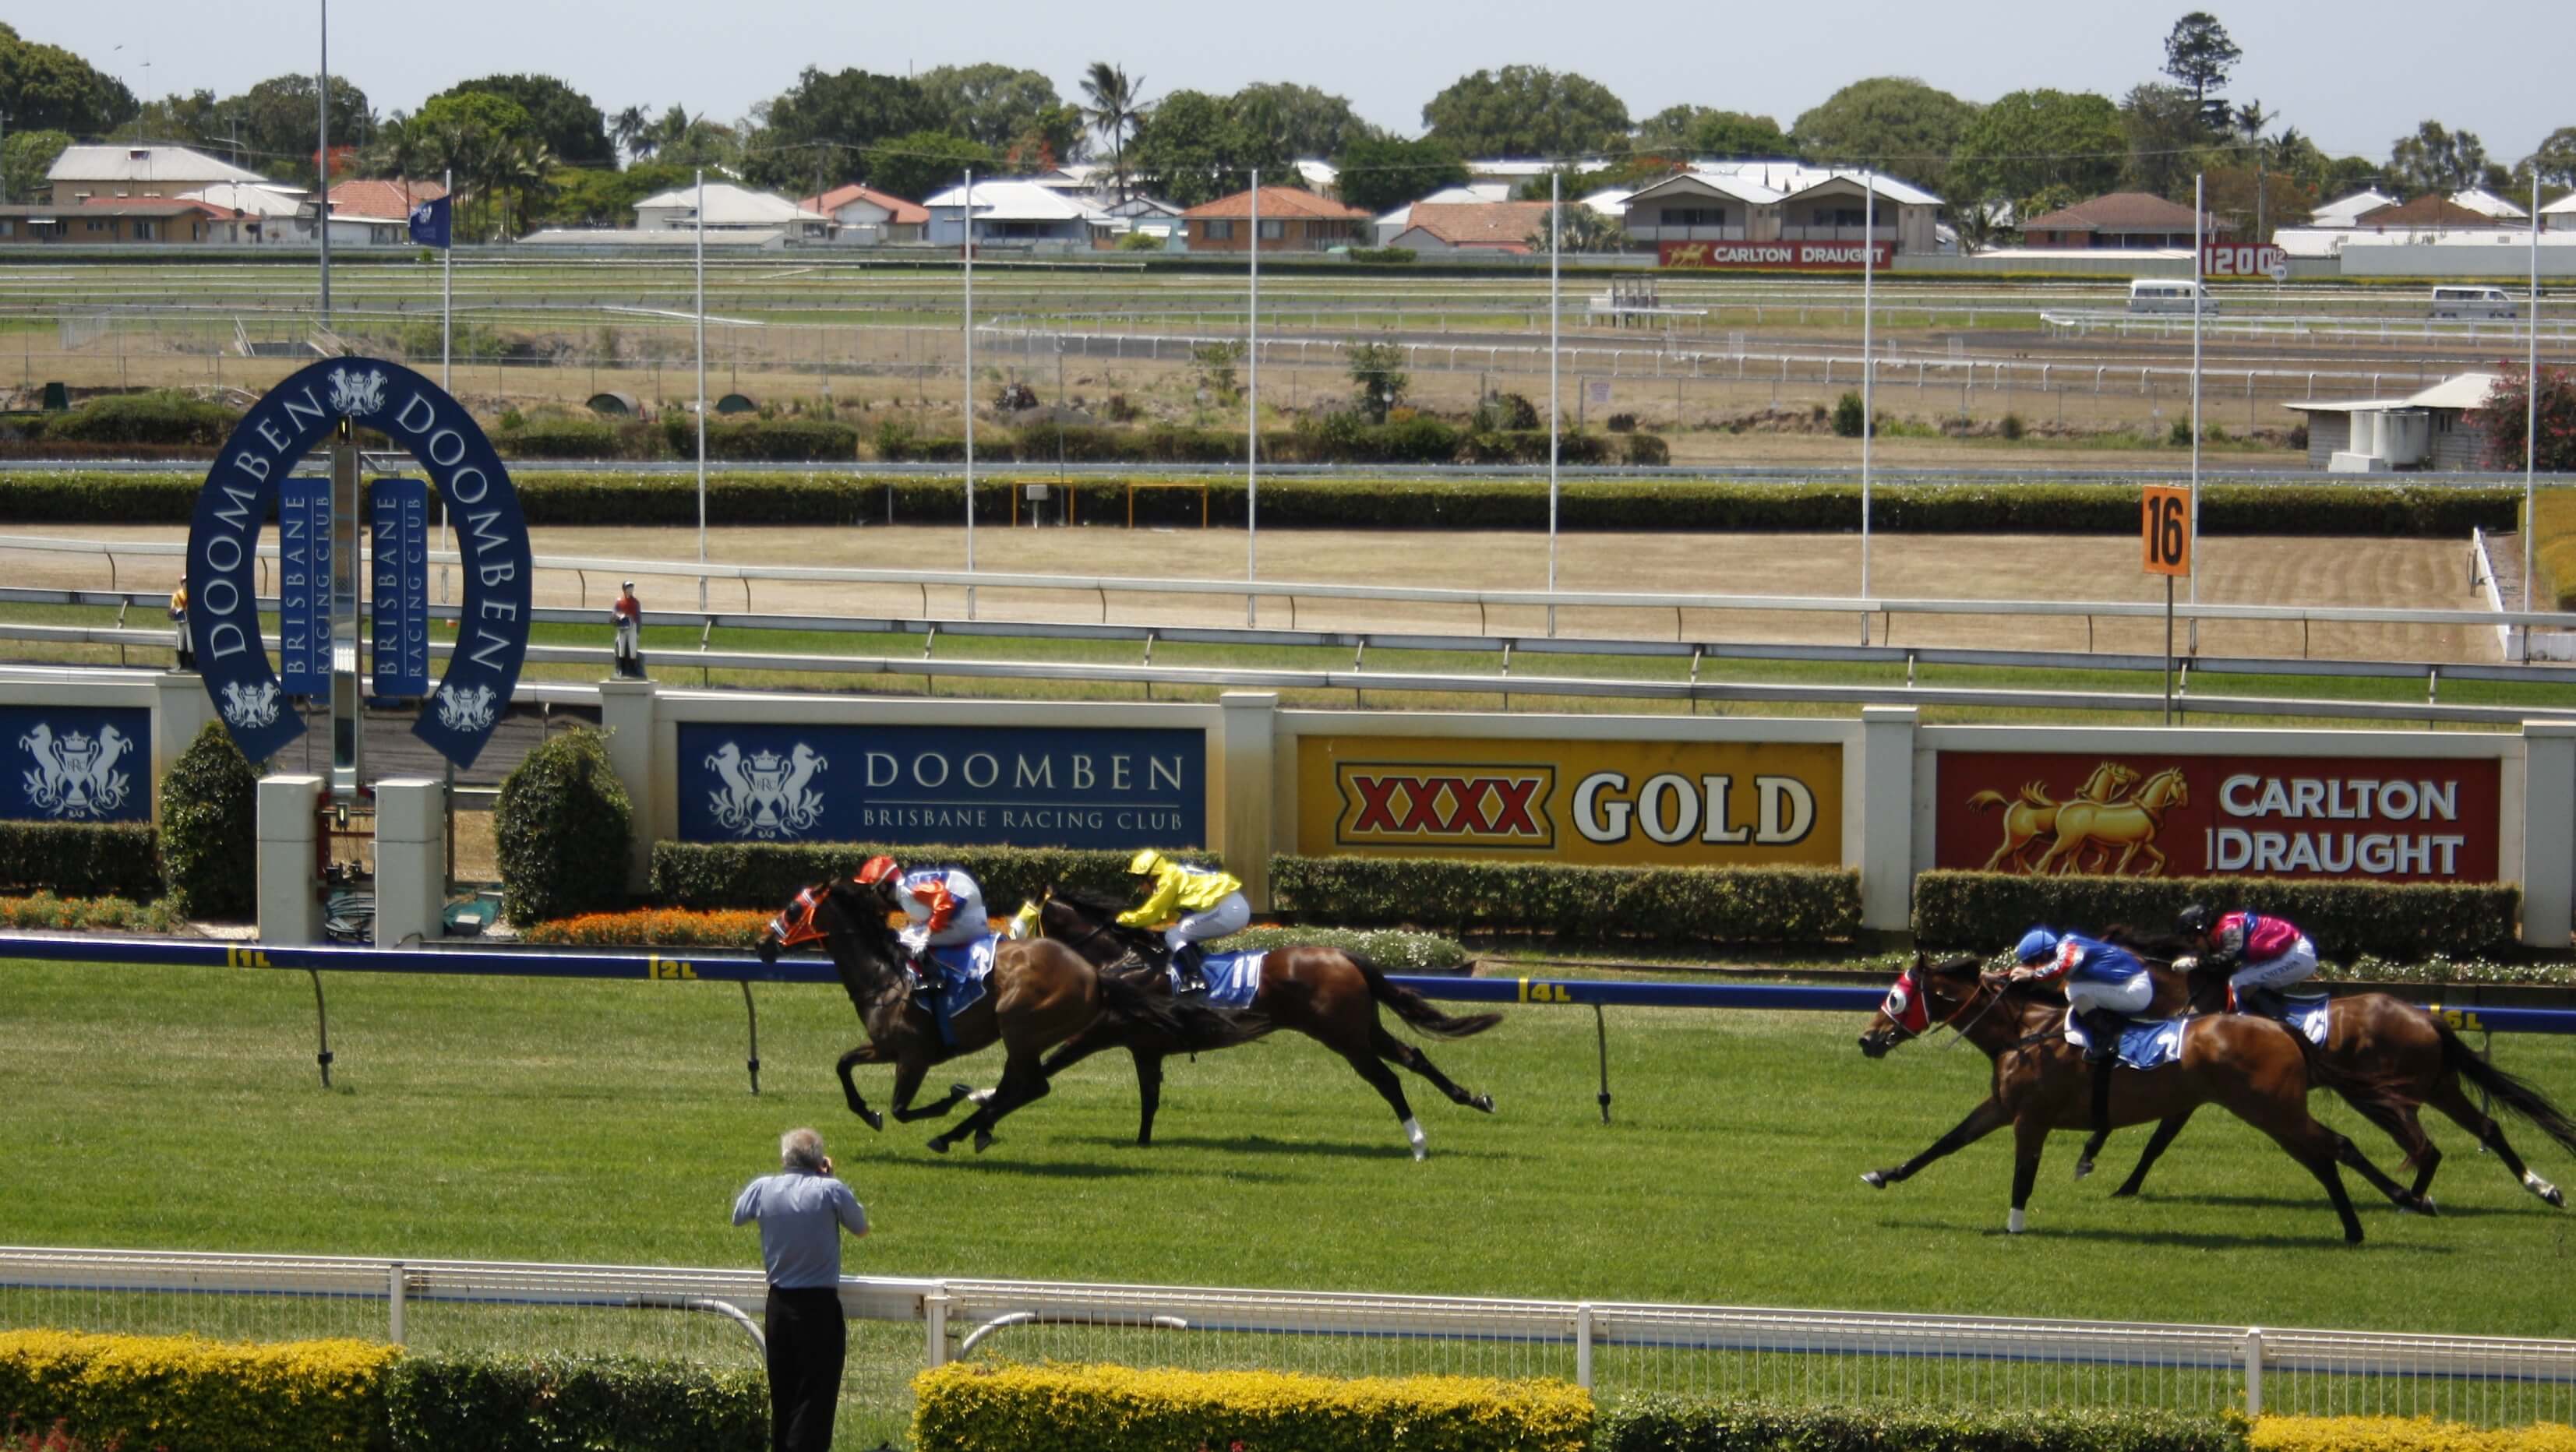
(1233, 979)
(962, 969)
(2306, 1016)
(2144, 1043)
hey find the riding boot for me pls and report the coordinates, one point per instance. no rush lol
(1185, 968)
(2263, 1001)
(2102, 1029)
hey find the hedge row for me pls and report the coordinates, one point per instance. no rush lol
(208, 1396)
(1667, 904)
(766, 874)
(1339, 439)
(2393, 920)
(1658, 1424)
(2396, 1434)
(972, 1407)
(81, 859)
(1627, 504)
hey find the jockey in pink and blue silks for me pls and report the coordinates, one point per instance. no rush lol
(2268, 953)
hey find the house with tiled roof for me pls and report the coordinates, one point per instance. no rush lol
(382, 198)
(1472, 227)
(103, 221)
(868, 217)
(1292, 220)
(2131, 221)
(2431, 212)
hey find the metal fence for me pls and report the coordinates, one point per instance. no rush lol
(1618, 1349)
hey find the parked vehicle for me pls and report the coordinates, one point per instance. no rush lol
(2474, 302)
(2169, 295)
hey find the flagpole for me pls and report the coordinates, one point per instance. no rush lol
(322, 168)
(447, 288)
(2531, 408)
(2199, 296)
(1252, 422)
(700, 211)
(1868, 369)
(966, 396)
(1555, 246)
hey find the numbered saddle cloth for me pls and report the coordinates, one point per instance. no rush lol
(2144, 1043)
(1232, 978)
(2306, 1016)
(963, 969)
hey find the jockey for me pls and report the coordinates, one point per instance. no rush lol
(2105, 983)
(2268, 953)
(945, 905)
(1209, 904)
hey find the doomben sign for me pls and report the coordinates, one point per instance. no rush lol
(1670, 803)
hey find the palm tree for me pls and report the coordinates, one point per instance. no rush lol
(1117, 105)
(525, 168)
(400, 148)
(628, 130)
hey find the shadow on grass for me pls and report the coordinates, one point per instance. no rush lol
(2177, 1239)
(2376, 1200)
(1262, 1144)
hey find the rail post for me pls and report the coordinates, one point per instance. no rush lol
(1583, 1345)
(934, 1322)
(397, 1290)
(2253, 1371)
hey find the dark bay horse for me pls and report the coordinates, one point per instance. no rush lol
(1040, 994)
(1323, 993)
(2392, 1059)
(2255, 1068)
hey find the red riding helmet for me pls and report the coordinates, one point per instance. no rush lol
(876, 870)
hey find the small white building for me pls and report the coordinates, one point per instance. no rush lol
(2487, 203)
(2429, 429)
(731, 208)
(2560, 215)
(1019, 212)
(2346, 211)
(867, 217)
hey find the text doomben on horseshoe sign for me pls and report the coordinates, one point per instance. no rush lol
(241, 492)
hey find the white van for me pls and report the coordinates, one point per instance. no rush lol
(2161, 295)
(2474, 302)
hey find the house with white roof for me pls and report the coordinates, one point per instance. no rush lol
(2560, 215)
(136, 171)
(731, 208)
(2479, 199)
(2344, 211)
(1781, 201)
(1020, 212)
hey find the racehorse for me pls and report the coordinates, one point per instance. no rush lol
(2257, 1069)
(2392, 1059)
(1041, 994)
(1324, 993)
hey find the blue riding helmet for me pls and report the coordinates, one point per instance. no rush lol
(2036, 944)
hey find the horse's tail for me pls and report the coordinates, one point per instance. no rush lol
(1987, 800)
(1417, 1010)
(2513, 1093)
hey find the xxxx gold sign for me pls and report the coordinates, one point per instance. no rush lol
(1631, 802)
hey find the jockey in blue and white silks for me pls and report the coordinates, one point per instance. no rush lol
(2105, 983)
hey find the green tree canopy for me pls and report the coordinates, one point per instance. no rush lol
(1895, 124)
(824, 124)
(601, 197)
(478, 136)
(1688, 130)
(1382, 173)
(995, 105)
(2199, 55)
(2164, 128)
(565, 120)
(917, 165)
(25, 158)
(2437, 159)
(1302, 119)
(2555, 160)
(281, 126)
(1526, 111)
(45, 87)
(2026, 140)
(1193, 148)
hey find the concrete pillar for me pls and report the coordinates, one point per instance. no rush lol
(2548, 832)
(1243, 797)
(290, 888)
(626, 711)
(1886, 849)
(411, 860)
(179, 711)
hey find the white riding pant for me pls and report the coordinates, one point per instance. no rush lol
(1227, 918)
(2300, 962)
(2129, 997)
(969, 924)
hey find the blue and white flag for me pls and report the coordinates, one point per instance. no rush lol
(429, 222)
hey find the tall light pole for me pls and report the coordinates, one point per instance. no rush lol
(1252, 421)
(700, 217)
(1555, 246)
(2199, 299)
(1868, 368)
(2531, 405)
(322, 167)
(966, 394)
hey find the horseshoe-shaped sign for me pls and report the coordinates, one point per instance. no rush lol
(240, 494)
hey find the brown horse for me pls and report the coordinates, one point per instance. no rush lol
(2258, 1070)
(2393, 1059)
(1323, 993)
(1040, 994)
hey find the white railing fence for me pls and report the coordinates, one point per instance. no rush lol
(1617, 1348)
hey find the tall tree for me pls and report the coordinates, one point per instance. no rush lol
(476, 136)
(1194, 149)
(2555, 160)
(1895, 124)
(1117, 108)
(1527, 111)
(994, 105)
(195, 119)
(626, 131)
(565, 119)
(824, 125)
(2199, 55)
(2164, 129)
(1306, 121)
(1688, 130)
(1382, 173)
(24, 159)
(2027, 140)
(2437, 159)
(47, 87)
(280, 125)
(925, 162)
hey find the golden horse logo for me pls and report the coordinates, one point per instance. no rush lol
(2130, 826)
(2034, 816)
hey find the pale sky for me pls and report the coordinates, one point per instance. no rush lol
(2353, 75)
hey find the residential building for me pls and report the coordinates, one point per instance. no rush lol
(2343, 211)
(868, 217)
(2131, 221)
(1780, 201)
(1397, 220)
(731, 208)
(383, 197)
(135, 172)
(2479, 199)
(2560, 215)
(2429, 430)
(1474, 227)
(2431, 213)
(112, 220)
(252, 211)
(1291, 221)
(1019, 212)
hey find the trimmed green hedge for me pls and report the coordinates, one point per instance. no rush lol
(82, 859)
(1665, 1424)
(1633, 504)
(1667, 904)
(209, 808)
(767, 874)
(561, 829)
(194, 1393)
(544, 1402)
(2395, 920)
(143, 418)
(785, 440)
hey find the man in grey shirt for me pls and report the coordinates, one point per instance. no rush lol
(802, 1211)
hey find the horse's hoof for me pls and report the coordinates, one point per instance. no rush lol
(961, 1091)
(1875, 1179)
(2083, 1169)
(1483, 1102)
(1421, 1153)
(2414, 1204)
(939, 1144)
(2125, 1192)
(873, 1120)
(983, 1140)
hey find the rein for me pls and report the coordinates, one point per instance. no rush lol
(1097, 930)
(1959, 1035)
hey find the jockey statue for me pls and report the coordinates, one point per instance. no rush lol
(1208, 903)
(2267, 953)
(2105, 983)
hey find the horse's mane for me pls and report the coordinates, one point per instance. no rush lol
(2163, 947)
(1098, 903)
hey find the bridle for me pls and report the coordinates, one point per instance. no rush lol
(1993, 995)
(1077, 944)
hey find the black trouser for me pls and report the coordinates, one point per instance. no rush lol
(808, 1336)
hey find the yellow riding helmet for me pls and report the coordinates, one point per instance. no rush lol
(1146, 861)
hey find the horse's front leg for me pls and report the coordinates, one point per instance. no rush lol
(1149, 1093)
(1983, 1120)
(2030, 1135)
(864, 1054)
(908, 1074)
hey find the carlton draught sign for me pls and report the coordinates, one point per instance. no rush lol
(1663, 802)
(1777, 256)
(2147, 814)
